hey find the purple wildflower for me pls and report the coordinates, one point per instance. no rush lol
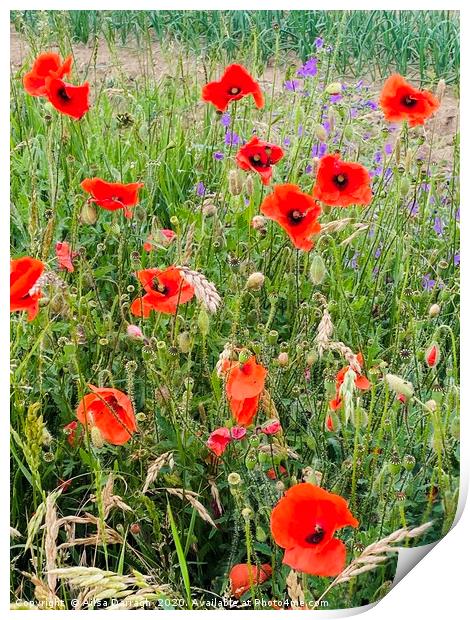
(231, 138)
(225, 119)
(309, 169)
(309, 69)
(378, 157)
(287, 141)
(318, 43)
(291, 85)
(200, 188)
(438, 229)
(372, 105)
(428, 283)
(319, 150)
(457, 258)
(388, 149)
(218, 155)
(457, 215)
(352, 263)
(335, 98)
(300, 130)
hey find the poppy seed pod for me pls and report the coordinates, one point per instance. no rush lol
(432, 355)
(255, 281)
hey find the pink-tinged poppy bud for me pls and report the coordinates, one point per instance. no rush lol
(218, 440)
(402, 398)
(329, 423)
(134, 332)
(238, 432)
(432, 355)
(271, 428)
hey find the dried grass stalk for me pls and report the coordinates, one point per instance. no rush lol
(191, 496)
(294, 589)
(154, 469)
(324, 332)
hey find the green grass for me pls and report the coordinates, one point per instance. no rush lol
(373, 287)
(422, 43)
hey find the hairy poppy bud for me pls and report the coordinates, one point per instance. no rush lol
(203, 322)
(404, 186)
(334, 88)
(234, 183)
(255, 281)
(249, 186)
(283, 359)
(135, 528)
(432, 355)
(88, 214)
(434, 310)
(400, 386)
(260, 534)
(431, 405)
(317, 270)
(321, 133)
(209, 210)
(96, 437)
(184, 342)
(134, 332)
(259, 222)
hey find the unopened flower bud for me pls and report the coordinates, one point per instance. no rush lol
(431, 405)
(88, 214)
(134, 332)
(317, 270)
(96, 437)
(432, 355)
(209, 210)
(434, 310)
(259, 222)
(203, 322)
(283, 359)
(249, 186)
(400, 386)
(234, 183)
(135, 528)
(255, 281)
(334, 88)
(184, 342)
(321, 133)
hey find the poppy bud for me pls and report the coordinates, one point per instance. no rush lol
(311, 358)
(321, 133)
(400, 386)
(432, 355)
(88, 214)
(203, 322)
(249, 186)
(431, 404)
(134, 332)
(317, 270)
(184, 342)
(283, 359)
(135, 528)
(348, 132)
(255, 281)
(434, 310)
(404, 186)
(259, 222)
(455, 428)
(209, 210)
(234, 183)
(260, 534)
(96, 437)
(334, 88)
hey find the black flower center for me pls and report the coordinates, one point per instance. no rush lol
(235, 90)
(62, 94)
(295, 217)
(256, 162)
(340, 180)
(316, 536)
(409, 101)
(159, 287)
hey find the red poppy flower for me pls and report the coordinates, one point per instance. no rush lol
(166, 289)
(401, 102)
(244, 385)
(340, 183)
(304, 522)
(361, 382)
(24, 295)
(259, 156)
(272, 475)
(242, 574)
(46, 65)
(295, 211)
(244, 411)
(219, 440)
(71, 431)
(65, 255)
(113, 196)
(234, 84)
(111, 412)
(271, 427)
(67, 98)
(163, 238)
